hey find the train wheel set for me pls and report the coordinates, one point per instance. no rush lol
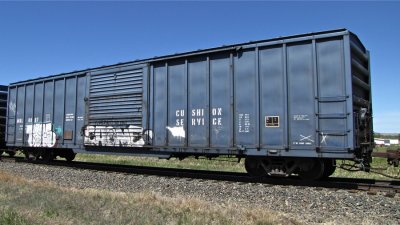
(48, 155)
(307, 169)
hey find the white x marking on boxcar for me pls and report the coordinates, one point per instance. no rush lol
(305, 138)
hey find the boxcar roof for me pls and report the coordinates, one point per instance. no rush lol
(265, 42)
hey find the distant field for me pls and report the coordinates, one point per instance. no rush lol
(227, 164)
(24, 202)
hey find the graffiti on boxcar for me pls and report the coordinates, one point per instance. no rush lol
(12, 107)
(40, 135)
(130, 136)
(323, 138)
(178, 132)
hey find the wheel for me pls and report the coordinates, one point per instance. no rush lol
(330, 167)
(253, 167)
(48, 156)
(313, 171)
(11, 153)
(69, 157)
(30, 156)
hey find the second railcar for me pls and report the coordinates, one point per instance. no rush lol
(290, 104)
(3, 113)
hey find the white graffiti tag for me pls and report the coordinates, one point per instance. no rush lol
(324, 136)
(177, 132)
(40, 135)
(12, 107)
(115, 136)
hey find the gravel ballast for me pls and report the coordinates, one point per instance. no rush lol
(307, 204)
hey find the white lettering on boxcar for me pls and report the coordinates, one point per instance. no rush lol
(244, 122)
(301, 117)
(180, 115)
(217, 111)
(179, 122)
(217, 121)
(197, 121)
(69, 117)
(197, 112)
(40, 135)
(197, 117)
(304, 140)
(216, 116)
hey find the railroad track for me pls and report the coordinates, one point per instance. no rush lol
(390, 187)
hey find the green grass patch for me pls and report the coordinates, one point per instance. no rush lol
(219, 164)
(379, 165)
(9, 216)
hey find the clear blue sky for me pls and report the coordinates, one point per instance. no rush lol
(40, 39)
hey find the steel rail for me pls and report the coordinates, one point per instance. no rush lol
(390, 187)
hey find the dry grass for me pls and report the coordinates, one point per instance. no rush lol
(29, 202)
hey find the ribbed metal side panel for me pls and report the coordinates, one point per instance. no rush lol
(116, 98)
(361, 95)
(361, 77)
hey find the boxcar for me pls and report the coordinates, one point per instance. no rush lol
(3, 113)
(289, 104)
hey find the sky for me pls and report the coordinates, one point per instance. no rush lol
(47, 38)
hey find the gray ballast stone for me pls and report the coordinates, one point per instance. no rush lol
(308, 204)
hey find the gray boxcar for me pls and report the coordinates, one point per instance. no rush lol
(3, 113)
(286, 103)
